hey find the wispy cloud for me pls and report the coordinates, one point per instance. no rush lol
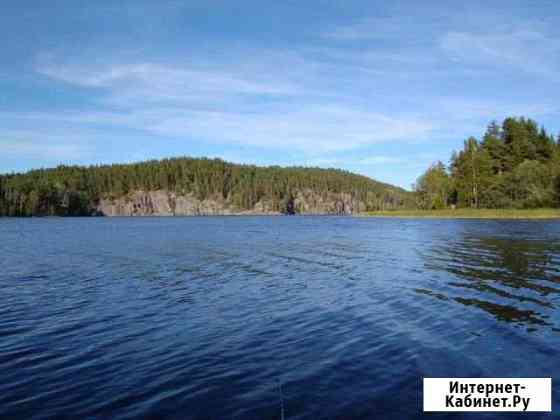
(504, 42)
(308, 129)
(152, 81)
(27, 144)
(370, 93)
(239, 104)
(404, 27)
(226, 106)
(529, 49)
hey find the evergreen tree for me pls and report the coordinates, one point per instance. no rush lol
(433, 187)
(471, 171)
(74, 190)
(515, 165)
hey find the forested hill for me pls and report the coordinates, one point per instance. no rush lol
(515, 164)
(187, 186)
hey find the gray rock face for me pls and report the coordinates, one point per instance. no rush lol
(138, 203)
(167, 203)
(309, 202)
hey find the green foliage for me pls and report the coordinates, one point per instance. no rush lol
(75, 190)
(470, 213)
(471, 171)
(531, 184)
(516, 165)
(433, 188)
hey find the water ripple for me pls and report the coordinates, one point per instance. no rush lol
(239, 318)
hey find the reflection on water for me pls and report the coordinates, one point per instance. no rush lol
(207, 318)
(515, 280)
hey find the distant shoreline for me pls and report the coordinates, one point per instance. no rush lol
(469, 214)
(489, 214)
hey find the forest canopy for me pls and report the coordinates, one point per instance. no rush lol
(514, 165)
(75, 190)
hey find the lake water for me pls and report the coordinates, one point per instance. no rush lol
(255, 317)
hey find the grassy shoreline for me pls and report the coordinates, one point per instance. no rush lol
(469, 214)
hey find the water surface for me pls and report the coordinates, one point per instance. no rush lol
(241, 317)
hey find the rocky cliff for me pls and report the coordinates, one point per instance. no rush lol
(187, 186)
(167, 203)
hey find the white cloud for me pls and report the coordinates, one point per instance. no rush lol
(326, 128)
(529, 49)
(242, 104)
(149, 81)
(506, 43)
(316, 100)
(404, 27)
(309, 128)
(224, 104)
(30, 145)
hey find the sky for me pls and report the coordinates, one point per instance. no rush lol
(379, 88)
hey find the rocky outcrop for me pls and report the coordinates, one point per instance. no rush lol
(139, 203)
(309, 202)
(167, 203)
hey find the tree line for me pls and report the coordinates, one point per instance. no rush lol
(516, 164)
(76, 190)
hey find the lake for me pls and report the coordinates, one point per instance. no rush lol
(264, 317)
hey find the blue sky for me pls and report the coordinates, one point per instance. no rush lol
(379, 88)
